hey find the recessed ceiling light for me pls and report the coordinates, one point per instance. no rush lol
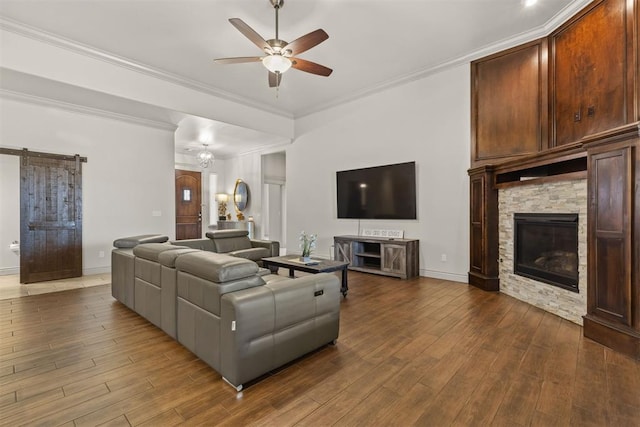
(529, 3)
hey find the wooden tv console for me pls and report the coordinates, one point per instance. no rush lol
(379, 255)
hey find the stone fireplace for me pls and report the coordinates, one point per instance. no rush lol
(545, 255)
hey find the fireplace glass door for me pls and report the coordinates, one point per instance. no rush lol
(546, 248)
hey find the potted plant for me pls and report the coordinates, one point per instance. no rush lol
(307, 244)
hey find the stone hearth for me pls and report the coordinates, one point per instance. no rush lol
(555, 197)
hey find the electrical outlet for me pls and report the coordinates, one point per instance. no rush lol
(101, 254)
(443, 257)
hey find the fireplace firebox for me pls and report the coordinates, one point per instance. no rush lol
(546, 248)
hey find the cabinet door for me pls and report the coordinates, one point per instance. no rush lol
(342, 250)
(483, 239)
(591, 78)
(509, 103)
(610, 263)
(394, 259)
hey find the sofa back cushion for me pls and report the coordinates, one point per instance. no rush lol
(168, 258)
(201, 244)
(219, 268)
(230, 240)
(133, 241)
(151, 251)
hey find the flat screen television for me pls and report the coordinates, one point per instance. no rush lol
(380, 192)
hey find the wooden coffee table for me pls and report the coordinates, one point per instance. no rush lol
(323, 266)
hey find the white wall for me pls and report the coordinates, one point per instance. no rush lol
(274, 168)
(129, 174)
(426, 121)
(9, 213)
(273, 197)
(248, 168)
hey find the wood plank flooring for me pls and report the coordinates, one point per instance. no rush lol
(418, 352)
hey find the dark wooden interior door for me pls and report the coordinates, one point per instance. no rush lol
(50, 217)
(188, 205)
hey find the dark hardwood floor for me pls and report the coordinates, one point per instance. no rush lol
(417, 352)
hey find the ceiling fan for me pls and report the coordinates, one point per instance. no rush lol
(280, 55)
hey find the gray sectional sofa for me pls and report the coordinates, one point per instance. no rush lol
(237, 317)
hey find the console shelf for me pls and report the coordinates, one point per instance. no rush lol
(378, 255)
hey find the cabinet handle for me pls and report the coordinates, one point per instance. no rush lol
(591, 111)
(577, 116)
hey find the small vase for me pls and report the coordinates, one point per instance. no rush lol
(305, 258)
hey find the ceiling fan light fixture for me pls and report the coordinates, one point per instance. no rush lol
(276, 63)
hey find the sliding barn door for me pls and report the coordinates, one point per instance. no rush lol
(50, 217)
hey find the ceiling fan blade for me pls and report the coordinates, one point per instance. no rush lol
(250, 34)
(275, 79)
(306, 42)
(310, 67)
(237, 60)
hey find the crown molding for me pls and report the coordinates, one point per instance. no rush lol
(89, 51)
(82, 109)
(536, 33)
(94, 53)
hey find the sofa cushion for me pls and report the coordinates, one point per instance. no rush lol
(206, 294)
(202, 244)
(133, 241)
(230, 240)
(168, 258)
(150, 251)
(254, 254)
(215, 267)
(227, 233)
(273, 278)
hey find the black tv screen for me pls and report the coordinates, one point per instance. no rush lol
(381, 192)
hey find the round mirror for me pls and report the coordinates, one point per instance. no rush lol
(241, 195)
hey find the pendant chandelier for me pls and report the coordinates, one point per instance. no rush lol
(205, 157)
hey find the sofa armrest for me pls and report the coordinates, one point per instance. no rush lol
(254, 254)
(271, 245)
(268, 326)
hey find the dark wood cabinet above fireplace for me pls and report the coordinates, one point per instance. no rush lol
(591, 72)
(509, 110)
(581, 80)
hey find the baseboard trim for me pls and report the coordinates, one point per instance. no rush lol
(434, 274)
(8, 271)
(96, 270)
(490, 284)
(616, 337)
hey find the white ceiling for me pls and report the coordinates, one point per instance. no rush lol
(372, 43)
